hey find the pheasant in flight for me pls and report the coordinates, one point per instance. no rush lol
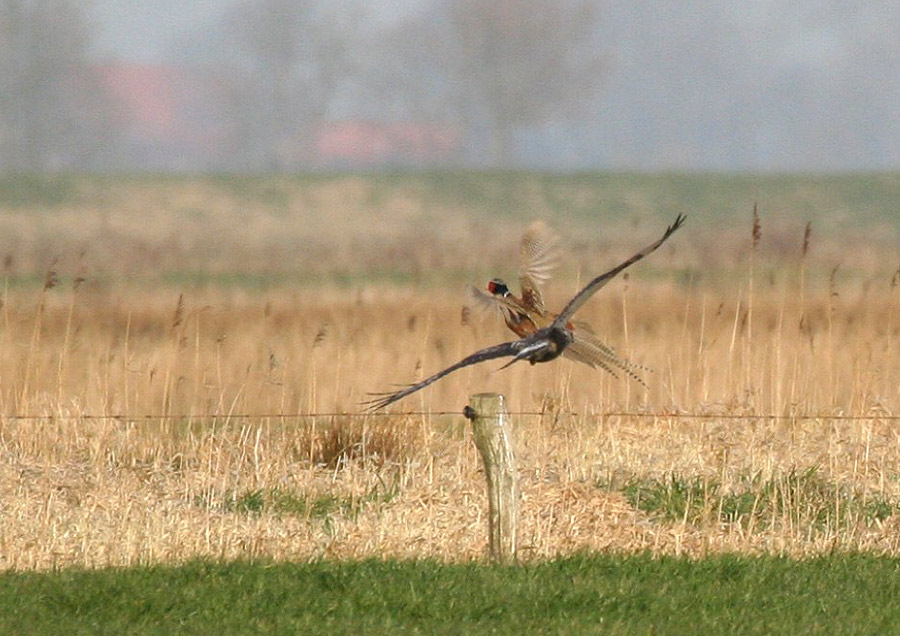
(525, 314)
(541, 339)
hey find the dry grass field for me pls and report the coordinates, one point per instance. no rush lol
(183, 361)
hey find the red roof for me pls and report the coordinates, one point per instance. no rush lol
(369, 142)
(146, 96)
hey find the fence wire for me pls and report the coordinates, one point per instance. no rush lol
(381, 415)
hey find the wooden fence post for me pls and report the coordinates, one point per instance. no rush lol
(493, 433)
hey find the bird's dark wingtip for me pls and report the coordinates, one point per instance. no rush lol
(679, 221)
(378, 401)
(383, 398)
(376, 405)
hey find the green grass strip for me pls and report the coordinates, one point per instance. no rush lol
(597, 594)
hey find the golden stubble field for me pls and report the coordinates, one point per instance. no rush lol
(166, 407)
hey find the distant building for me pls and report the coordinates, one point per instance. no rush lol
(175, 119)
(169, 118)
(357, 143)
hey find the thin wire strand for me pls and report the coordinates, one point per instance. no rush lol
(330, 414)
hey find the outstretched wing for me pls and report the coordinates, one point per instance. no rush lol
(538, 257)
(506, 306)
(481, 301)
(513, 348)
(593, 286)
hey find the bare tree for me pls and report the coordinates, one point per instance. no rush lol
(405, 75)
(297, 55)
(522, 62)
(53, 112)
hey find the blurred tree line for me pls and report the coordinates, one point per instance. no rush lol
(707, 84)
(53, 113)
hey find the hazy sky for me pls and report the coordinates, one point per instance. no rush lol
(144, 31)
(704, 84)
